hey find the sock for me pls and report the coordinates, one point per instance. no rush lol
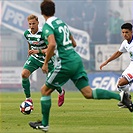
(26, 86)
(59, 90)
(28, 98)
(105, 94)
(124, 88)
(45, 106)
(61, 93)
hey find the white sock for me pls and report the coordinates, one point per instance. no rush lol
(28, 98)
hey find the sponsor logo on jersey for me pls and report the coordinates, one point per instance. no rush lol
(35, 42)
(130, 76)
(46, 31)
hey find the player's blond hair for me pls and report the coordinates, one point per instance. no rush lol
(32, 16)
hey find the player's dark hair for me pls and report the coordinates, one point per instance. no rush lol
(127, 26)
(47, 8)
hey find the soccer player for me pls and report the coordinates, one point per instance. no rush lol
(69, 66)
(36, 56)
(126, 78)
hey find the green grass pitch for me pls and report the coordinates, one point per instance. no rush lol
(77, 115)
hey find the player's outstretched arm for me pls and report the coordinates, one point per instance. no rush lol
(113, 57)
(103, 64)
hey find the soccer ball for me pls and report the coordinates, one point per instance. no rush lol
(26, 107)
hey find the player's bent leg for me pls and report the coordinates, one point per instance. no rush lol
(45, 104)
(83, 86)
(87, 92)
(45, 91)
(45, 108)
(99, 94)
(105, 94)
(25, 82)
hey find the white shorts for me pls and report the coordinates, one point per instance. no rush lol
(128, 73)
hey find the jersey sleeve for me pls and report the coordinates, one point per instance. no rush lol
(122, 47)
(25, 33)
(47, 30)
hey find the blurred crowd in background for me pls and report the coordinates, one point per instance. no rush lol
(96, 17)
(100, 19)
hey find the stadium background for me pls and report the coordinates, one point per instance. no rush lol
(93, 49)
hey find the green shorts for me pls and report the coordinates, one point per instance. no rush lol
(62, 73)
(33, 64)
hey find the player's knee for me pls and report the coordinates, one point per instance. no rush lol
(25, 74)
(120, 83)
(45, 91)
(87, 92)
(87, 96)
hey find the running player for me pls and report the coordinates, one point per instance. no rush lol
(36, 56)
(126, 79)
(69, 66)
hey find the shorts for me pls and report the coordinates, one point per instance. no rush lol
(62, 73)
(128, 73)
(33, 64)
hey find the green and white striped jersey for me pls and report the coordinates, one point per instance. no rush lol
(36, 42)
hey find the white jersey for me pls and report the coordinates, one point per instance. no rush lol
(127, 47)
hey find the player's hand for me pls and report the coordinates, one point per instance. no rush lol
(44, 51)
(45, 68)
(102, 65)
(30, 52)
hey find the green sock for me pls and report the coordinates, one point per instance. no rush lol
(26, 86)
(59, 90)
(105, 94)
(45, 106)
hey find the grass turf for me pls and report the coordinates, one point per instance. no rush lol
(77, 115)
